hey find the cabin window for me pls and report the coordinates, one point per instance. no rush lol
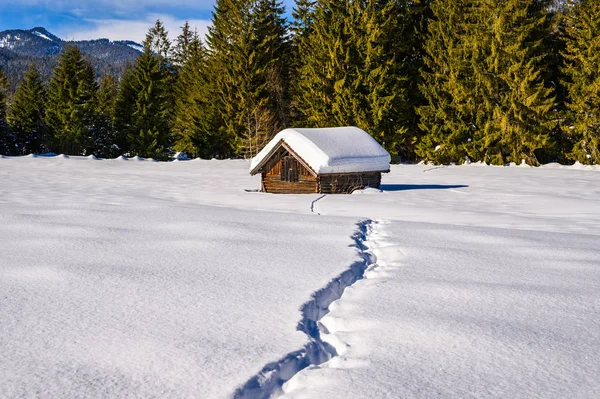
(290, 169)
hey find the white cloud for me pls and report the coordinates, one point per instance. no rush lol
(115, 4)
(119, 29)
(78, 12)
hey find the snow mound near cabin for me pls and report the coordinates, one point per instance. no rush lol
(331, 150)
(367, 190)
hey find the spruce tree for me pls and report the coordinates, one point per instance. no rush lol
(144, 105)
(71, 103)
(192, 122)
(449, 117)
(410, 24)
(104, 139)
(273, 61)
(7, 145)
(351, 76)
(551, 50)
(125, 105)
(185, 44)
(233, 73)
(249, 71)
(300, 28)
(157, 41)
(302, 23)
(487, 99)
(27, 114)
(519, 108)
(324, 65)
(582, 71)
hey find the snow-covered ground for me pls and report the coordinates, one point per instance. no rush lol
(144, 279)
(454, 311)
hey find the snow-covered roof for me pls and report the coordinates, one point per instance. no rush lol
(329, 150)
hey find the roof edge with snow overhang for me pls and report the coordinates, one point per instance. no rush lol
(328, 150)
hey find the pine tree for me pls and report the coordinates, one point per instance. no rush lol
(487, 98)
(273, 61)
(144, 106)
(125, 106)
(70, 106)
(582, 71)
(410, 24)
(192, 122)
(351, 76)
(301, 28)
(104, 140)
(449, 118)
(27, 114)
(324, 65)
(302, 24)
(7, 145)
(550, 52)
(185, 45)
(519, 107)
(243, 116)
(157, 41)
(229, 41)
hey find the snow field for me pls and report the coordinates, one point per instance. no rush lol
(559, 199)
(453, 311)
(145, 279)
(109, 288)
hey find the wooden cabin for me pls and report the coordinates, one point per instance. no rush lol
(328, 161)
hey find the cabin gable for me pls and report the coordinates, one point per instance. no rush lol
(286, 173)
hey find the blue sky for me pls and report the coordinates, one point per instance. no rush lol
(113, 19)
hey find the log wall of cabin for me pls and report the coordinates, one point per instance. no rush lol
(273, 184)
(348, 182)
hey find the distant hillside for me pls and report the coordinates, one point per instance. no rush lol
(18, 48)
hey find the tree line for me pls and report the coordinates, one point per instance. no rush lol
(437, 80)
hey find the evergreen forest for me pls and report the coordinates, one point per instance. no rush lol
(440, 81)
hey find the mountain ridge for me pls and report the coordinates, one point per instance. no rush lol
(21, 47)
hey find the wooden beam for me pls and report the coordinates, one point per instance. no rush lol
(354, 173)
(299, 158)
(266, 158)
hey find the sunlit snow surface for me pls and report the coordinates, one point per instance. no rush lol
(144, 279)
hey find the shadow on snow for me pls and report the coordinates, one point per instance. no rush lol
(405, 187)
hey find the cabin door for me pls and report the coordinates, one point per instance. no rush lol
(290, 169)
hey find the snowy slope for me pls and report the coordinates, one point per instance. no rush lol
(144, 279)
